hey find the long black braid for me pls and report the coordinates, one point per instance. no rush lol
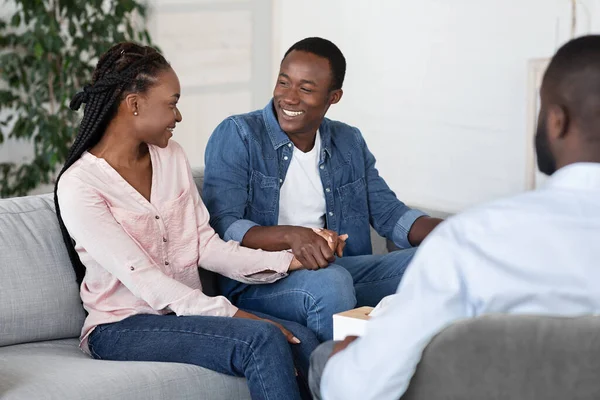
(125, 68)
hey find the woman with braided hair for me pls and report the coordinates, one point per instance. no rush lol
(136, 231)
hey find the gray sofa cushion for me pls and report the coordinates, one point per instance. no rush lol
(39, 298)
(59, 370)
(511, 357)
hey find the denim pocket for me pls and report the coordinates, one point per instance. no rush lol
(263, 192)
(353, 198)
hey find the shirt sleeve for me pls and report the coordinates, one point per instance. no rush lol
(90, 223)
(390, 217)
(226, 180)
(431, 296)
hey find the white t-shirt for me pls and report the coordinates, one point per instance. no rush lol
(302, 200)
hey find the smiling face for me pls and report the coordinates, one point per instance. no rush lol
(303, 92)
(157, 110)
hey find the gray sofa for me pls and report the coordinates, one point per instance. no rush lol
(41, 317)
(501, 357)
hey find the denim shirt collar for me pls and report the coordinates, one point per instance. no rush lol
(280, 138)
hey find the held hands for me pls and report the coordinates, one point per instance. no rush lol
(336, 242)
(314, 248)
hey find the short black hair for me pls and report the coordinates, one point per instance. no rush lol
(326, 49)
(572, 80)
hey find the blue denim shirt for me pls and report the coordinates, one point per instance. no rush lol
(247, 158)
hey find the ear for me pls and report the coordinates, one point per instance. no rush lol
(132, 103)
(335, 96)
(558, 121)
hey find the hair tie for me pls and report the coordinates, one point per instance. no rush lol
(80, 98)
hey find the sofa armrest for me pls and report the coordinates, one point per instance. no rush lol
(511, 357)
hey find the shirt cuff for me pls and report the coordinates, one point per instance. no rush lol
(403, 226)
(238, 229)
(330, 377)
(277, 271)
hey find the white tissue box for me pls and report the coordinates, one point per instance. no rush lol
(350, 323)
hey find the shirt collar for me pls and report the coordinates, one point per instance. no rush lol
(280, 138)
(584, 175)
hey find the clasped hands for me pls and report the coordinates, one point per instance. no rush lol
(314, 248)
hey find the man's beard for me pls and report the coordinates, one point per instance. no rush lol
(545, 159)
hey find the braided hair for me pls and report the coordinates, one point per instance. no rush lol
(125, 68)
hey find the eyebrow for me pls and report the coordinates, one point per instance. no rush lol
(303, 81)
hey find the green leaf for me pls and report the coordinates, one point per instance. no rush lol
(16, 20)
(130, 35)
(38, 50)
(72, 29)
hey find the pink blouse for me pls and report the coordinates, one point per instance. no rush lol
(142, 257)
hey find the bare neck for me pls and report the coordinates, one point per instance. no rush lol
(579, 147)
(304, 141)
(119, 146)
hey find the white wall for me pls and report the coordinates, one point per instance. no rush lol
(438, 87)
(221, 51)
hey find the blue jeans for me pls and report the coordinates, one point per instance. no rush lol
(312, 297)
(254, 349)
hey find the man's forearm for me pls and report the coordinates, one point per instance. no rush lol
(313, 249)
(269, 238)
(421, 228)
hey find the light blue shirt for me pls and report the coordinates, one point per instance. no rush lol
(536, 253)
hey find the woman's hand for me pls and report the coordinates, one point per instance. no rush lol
(295, 265)
(289, 335)
(336, 242)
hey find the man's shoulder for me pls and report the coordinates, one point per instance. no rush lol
(343, 133)
(256, 115)
(238, 127)
(247, 123)
(498, 217)
(341, 128)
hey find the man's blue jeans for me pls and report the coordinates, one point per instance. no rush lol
(255, 349)
(312, 297)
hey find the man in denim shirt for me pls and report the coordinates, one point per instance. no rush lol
(273, 174)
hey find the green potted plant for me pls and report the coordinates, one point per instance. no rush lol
(48, 51)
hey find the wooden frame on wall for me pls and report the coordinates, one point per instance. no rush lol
(535, 73)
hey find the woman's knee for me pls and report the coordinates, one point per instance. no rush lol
(266, 332)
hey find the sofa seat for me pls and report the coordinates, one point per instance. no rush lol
(58, 369)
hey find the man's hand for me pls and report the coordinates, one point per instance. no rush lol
(289, 335)
(311, 250)
(342, 345)
(421, 228)
(336, 242)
